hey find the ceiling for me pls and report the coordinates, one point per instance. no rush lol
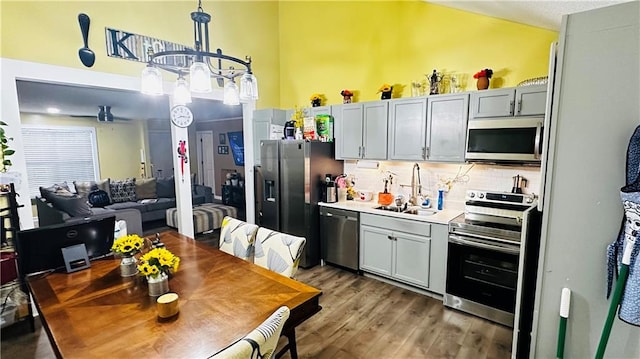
(77, 101)
(540, 13)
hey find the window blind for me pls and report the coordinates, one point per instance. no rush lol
(58, 154)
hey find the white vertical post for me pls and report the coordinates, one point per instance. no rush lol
(249, 161)
(182, 176)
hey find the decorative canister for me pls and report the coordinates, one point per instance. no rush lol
(483, 83)
(128, 266)
(158, 285)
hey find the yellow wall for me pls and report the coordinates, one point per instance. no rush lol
(328, 46)
(48, 32)
(116, 142)
(298, 47)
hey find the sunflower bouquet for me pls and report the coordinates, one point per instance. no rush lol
(128, 246)
(158, 261)
(385, 88)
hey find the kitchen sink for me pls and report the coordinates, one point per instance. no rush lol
(414, 210)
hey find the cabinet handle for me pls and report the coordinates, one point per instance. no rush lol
(428, 153)
(511, 105)
(519, 106)
(359, 151)
(363, 148)
(390, 238)
(424, 153)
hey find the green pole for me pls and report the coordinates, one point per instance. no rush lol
(613, 308)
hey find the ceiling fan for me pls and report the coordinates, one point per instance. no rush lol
(103, 115)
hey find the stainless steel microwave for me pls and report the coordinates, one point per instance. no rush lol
(515, 140)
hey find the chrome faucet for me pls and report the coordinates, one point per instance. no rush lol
(416, 187)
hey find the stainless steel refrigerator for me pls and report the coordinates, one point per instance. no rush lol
(288, 188)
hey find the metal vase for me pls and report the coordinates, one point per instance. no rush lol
(158, 285)
(128, 266)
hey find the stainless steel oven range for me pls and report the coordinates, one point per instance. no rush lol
(486, 259)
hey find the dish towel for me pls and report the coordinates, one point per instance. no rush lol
(630, 196)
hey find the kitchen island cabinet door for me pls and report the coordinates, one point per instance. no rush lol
(447, 115)
(374, 140)
(376, 247)
(408, 129)
(412, 257)
(348, 131)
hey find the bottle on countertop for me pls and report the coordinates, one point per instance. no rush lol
(440, 199)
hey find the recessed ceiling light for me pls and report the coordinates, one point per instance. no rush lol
(53, 110)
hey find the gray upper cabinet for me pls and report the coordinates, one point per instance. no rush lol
(518, 101)
(430, 128)
(447, 132)
(361, 130)
(262, 121)
(319, 110)
(408, 129)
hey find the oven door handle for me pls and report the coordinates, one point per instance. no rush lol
(475, 235)
(482, 244)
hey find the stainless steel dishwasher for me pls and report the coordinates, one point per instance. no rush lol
(339, 237)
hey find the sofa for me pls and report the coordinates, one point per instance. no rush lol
(150, 197)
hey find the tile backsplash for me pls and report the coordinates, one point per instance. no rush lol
(459, 178)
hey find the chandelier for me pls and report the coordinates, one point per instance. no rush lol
(201, 65)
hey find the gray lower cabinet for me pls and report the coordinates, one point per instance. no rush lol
(396, 248)
(361, 130)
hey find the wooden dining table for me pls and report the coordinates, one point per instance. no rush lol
(96, 313)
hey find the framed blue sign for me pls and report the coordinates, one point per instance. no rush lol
(237, 147)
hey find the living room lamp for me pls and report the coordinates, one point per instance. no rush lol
(201, 65)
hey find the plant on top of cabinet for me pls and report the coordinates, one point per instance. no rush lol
(483, 77)
(346, 96)
(316, 99)
(385, 91)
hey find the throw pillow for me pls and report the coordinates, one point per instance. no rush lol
(74, 205)
(59, 188)
(84, 188)
(146, 188)
(165, 187)
(123, 191)
(98, 198)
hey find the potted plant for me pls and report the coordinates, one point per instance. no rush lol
(346, 95)
(483, 77)
(128, 247)
(386, 90)
(316, 100)
(6, 151)
(156, 265)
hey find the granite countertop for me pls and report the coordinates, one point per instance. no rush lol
(440, 217)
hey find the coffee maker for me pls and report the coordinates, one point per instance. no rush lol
(329, 190)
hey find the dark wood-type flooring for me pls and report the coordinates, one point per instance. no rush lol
(361, 317)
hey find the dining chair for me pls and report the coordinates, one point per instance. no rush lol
(261, 342)
(237, 237)
(278, 252)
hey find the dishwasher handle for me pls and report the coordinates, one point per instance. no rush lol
(347, 215)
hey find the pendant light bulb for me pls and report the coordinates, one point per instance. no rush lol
(200, 77)
(181, 93)
(231, 95)
(151, 82)
(248, 87)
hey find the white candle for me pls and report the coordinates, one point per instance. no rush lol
(142, 155)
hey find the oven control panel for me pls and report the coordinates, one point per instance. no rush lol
(501, 197)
